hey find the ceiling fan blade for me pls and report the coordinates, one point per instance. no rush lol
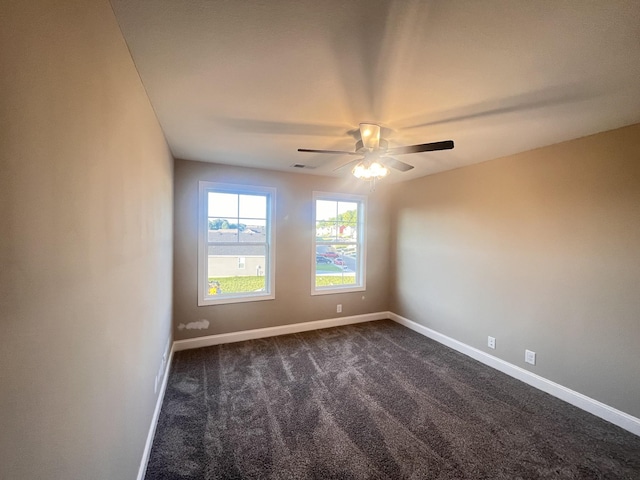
(335, 152)
(348, 164)
(397, 164)
(536, 99)
(424, 147)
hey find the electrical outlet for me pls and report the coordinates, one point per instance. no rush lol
(530, 357)
(491, 342)
(339, 308)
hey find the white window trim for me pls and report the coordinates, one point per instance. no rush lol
(203, 226)
(362, 241)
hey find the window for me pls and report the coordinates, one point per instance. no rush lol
(339, 244)
(236, 247)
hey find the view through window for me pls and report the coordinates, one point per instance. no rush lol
(236, 245)
(339, 243)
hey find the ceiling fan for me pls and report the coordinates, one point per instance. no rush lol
(375, 149)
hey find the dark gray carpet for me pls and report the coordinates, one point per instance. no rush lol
(370, 401)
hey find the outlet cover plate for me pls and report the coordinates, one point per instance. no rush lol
(530, 357)
(491, 342)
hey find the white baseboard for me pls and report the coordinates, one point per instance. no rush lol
(599, 409)
(154, 420)
(275, 331)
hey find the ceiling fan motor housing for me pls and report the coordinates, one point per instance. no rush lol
(382, 146)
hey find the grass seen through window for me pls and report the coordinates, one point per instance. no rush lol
(254, 284)
(235, 284)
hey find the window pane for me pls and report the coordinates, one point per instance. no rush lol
(253, 206)
(326, 231)
(336, 265)
(348, 211)
(336, 221)
(223, 205)
(347, 221)
(227, 275)
(222, 230)
(347, 231)
(340, 280)
(253, 230)
(326, 210)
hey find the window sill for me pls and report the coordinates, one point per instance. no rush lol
(239, 299)
(333, 291)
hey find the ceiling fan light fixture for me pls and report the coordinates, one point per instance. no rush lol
(378, 170)
(370, 134)
(360, 171)
(370, 170)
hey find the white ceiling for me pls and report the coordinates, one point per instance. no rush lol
(248, 82)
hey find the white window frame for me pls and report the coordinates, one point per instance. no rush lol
(204, 188)
(361, 261)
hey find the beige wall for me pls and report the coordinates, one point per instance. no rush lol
(540, 250)
(294, 233)
(85, 245)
